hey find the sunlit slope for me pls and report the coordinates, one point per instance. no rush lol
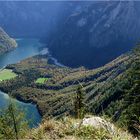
(104, 88)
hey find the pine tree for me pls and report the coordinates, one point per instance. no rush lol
(12, 123)
(80, 107)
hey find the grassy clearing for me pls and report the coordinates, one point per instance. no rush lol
(41, 80)
(7, 74)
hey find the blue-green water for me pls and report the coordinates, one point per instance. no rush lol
(26, 48)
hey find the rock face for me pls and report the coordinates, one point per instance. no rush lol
(97, 33)
(98, 123)
(6, 43)
(34, 18)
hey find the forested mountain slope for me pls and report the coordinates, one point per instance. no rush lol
(112, 89)
(6, 43)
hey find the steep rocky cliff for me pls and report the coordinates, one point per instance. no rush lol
(6, 43)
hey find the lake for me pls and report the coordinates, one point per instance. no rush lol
(26, 48)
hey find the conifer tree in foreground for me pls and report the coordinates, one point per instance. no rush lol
(12, 123)
(79, 104)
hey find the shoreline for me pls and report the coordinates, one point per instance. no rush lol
(19, 99)
(43, 51)
(30, 102)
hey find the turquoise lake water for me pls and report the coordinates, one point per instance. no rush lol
(26, 48)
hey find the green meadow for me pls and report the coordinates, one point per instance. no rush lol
(41, 80)
(6, 74)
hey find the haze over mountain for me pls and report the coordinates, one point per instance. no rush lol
(34, 18)
(77, 33)
(52, 76)
(98, 33)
